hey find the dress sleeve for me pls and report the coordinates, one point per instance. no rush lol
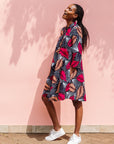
(76, 49)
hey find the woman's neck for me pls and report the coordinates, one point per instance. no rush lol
(69, 23)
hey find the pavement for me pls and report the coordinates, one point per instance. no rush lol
(37, 138)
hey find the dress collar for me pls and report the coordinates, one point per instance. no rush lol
(71, 25)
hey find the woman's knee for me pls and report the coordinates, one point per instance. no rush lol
(77, 103)
(44, 99)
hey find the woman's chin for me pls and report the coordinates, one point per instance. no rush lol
(64, 17)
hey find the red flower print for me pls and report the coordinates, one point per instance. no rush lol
(51, 87)
(70, 43)
(68, 65)
(73, 55)
(75, 23)
(84, 97)
(67, 87)
(68, 32)
(64, 52)
(72, 97)
(53, 60)
(81, 65)
(51, 78)
(44, 95)
(80, 48)
(74, 63)
(62, 75)
(80, 78)
(61, 96)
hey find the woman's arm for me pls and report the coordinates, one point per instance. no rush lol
(76, 49)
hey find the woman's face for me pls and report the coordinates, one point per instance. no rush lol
(69, 13)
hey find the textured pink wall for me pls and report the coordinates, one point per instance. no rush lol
(29, 31)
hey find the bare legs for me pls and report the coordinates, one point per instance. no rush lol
(52, 112)
(78, 115)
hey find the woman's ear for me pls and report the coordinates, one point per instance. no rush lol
(75, 16)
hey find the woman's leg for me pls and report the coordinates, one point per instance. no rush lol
(52, 112)
(78, 115)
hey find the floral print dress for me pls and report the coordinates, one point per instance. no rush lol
(66, 77)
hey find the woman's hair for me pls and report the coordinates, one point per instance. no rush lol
(80, 12)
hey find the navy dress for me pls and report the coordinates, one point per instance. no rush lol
(66, 77)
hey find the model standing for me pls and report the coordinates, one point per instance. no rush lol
(66, 76)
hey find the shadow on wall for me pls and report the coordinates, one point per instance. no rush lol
(101, 24)
(39, 110)
(29, 20)
(34, 22)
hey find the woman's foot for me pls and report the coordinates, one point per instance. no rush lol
(55, 134)
(74, 139)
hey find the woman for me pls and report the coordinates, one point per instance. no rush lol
(66, 77)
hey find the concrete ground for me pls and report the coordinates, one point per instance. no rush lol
(87, 138)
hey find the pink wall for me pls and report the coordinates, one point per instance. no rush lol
(29, 32)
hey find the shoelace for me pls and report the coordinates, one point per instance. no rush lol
(71, 138)
(51, 131)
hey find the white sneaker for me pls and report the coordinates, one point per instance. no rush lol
(55, 134)
(74, 139)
